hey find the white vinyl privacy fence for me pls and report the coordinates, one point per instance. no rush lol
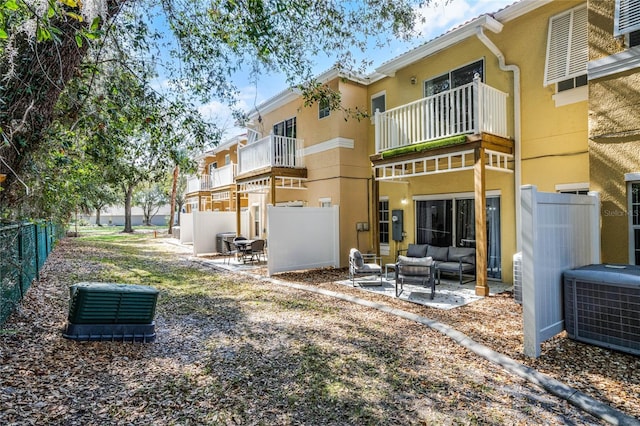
(302, 238)
(559, 232)
(201, 228)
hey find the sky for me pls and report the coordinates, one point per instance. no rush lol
(440, 18)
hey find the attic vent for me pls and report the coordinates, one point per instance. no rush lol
(601, 305)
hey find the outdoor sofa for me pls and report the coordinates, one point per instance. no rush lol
(460, 261)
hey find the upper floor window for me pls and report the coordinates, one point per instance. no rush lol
(633, 39)
(378, 103)
(323, 108)
(456, 78)
(567, 49)
(285, 128)
(212, 167)
(227, 159)
(627, 18)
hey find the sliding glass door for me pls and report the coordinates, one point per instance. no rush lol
(443, 222)
(434, 222)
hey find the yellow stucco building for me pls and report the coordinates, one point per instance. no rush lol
(614, 124)
(500, 82)
(455, 127)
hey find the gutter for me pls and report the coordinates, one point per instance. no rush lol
(517, 125)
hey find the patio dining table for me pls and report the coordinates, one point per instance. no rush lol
(244, 247)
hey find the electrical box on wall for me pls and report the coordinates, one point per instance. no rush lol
(362, 226)
(397, 225)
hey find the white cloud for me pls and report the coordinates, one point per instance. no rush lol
(442, 16)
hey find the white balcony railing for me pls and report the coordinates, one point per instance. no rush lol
(271, 151)
(193, 184)
(472, 108)
(221, 177)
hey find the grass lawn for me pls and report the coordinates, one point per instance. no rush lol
(235, 350)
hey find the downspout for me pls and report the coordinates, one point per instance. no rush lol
(516, 125)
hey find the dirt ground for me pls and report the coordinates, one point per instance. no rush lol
(233, 350)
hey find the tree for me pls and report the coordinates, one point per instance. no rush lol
(150, 198)
(172, 199)
(43, 44)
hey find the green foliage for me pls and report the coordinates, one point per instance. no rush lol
(150, 197)
(418, 147)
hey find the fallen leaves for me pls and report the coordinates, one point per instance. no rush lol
(233, 350)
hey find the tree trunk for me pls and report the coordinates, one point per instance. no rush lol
(128, 195)
(98, 217)
(30, 88)
(174, 190)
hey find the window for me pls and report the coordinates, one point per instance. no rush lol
(633, 39)
(567, 48)
(324, 202)
(383, 219)
(378, 103)
(456, 78)
(572, 83)
(627, 17)
(212, 167)
(634, 220)
(323, 109)
(227, 159)
(285, 128)
(449, 222)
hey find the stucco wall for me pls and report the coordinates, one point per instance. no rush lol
(614, 134)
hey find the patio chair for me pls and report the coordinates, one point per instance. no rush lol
(232, 250)
(243, 249)
(255, 249)
(364, 265)
(420, 269)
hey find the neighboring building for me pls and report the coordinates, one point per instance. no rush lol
(214, 189)
(310, 156)
(614, 124)
(114, 216)
(508, 90)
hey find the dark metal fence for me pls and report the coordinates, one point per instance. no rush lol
(24, 248)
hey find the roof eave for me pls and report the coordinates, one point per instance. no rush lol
(443, 42)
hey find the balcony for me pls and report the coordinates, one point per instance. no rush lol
(470, 109)
(221, 177)
(271, 151)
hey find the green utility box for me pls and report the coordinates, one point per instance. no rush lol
(110, 311)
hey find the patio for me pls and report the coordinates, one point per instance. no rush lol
(449, 294)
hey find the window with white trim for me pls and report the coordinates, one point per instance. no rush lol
(634, 222)
(323, 108)
(627, 17)
(455, 78)
(213, 167)
(633, 39)
(285, 128)
(378, 103)
(567, 49)
(227, 159)
(324, 202)
(383, 221)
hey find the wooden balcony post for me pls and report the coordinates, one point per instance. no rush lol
(479, 183)
(238, 217)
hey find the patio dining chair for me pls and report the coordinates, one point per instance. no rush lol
(232, 250)
(256, 249)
